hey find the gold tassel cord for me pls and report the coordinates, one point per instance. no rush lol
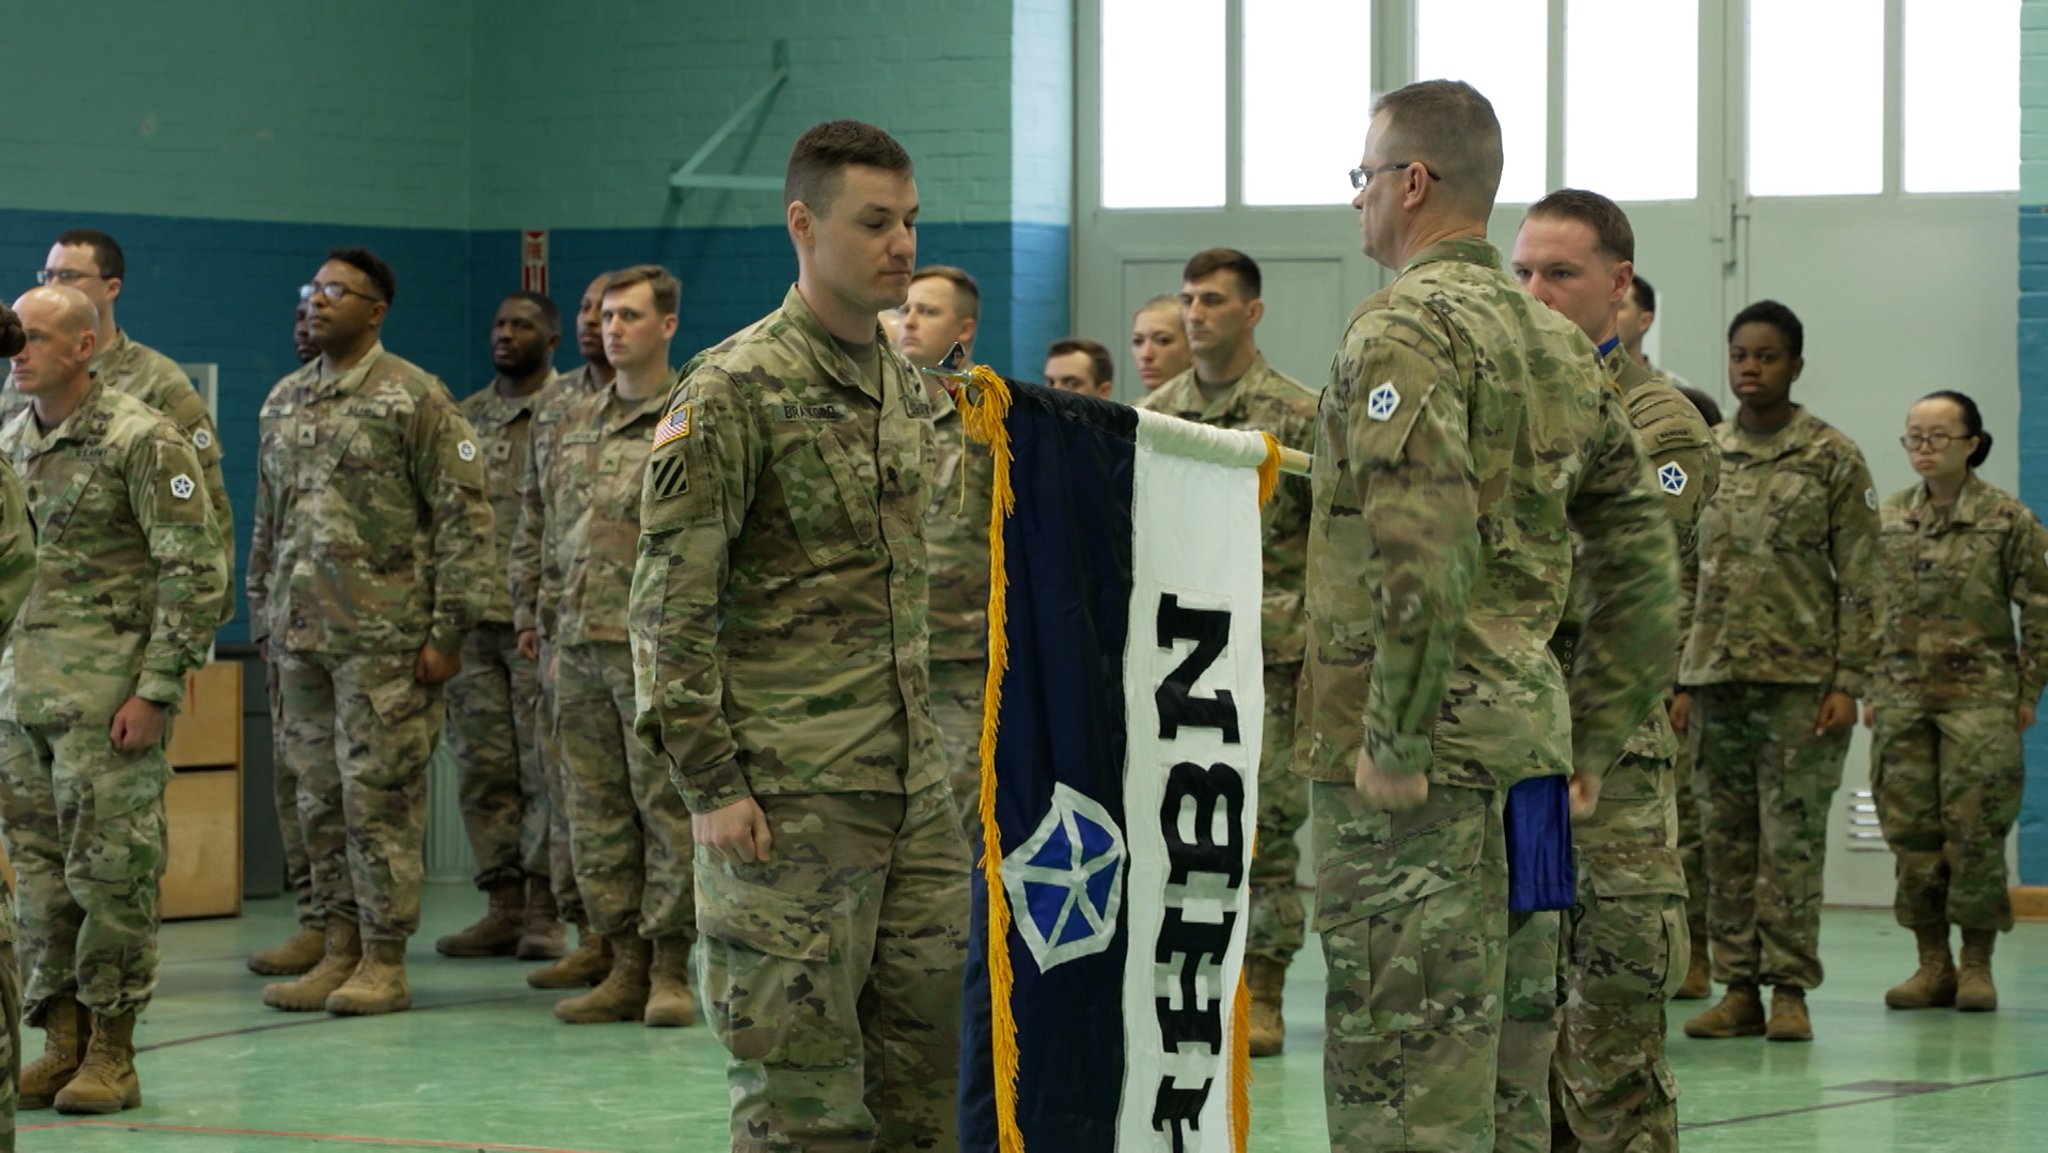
(1241, 1066)
(984, 408)
(1269, 469)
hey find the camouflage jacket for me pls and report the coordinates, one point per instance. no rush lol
(1264, 400)
(583, 493)
(956, 537)
(504, 433)
(373, 530)
(1952, 577)
(129, 571)
(1786, 568)
(1466, 437)
(17, 546)
(778, 615)
(529, 609)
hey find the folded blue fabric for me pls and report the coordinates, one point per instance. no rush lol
(1539, 834)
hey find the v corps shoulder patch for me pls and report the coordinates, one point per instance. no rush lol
(674, 426)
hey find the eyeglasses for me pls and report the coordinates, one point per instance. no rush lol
(1360, 177)
(335, 293)
(64, 276)
(1934, 440)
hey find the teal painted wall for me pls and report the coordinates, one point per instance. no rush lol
(2033, 365)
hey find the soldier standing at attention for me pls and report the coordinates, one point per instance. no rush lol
(782, 563)
(944, 309)
(370, 562)
(1230, 385)
(1078, 364)
(493, 703)
(1624, 944)
(129, 579)
(1159, 341)
(1953, 692)
(1466, 439)
(588, 963)
(1779, 651)
(92, 262)
(629, 834)
(17, 573)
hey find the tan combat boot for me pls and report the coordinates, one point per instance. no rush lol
(1266, 979)
(67, 1032)
(299, 953)
(1699, 976)
(106, 1082)
(1789, 1021)
(670, 1003)
(1740, 1013)
(622, 995)
(541, 935)
(378, 984)
(309, 993)
(1933, 984)
(1974, 991)
(589, 964)
(496, 933)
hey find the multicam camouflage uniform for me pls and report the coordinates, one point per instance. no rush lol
(129, 578)
(956, 551)
(1464, 437)
(494, 702)
(372, 540)
(1945, 765)
(17, 573)
(1782, 618)
(1626, 942)
(1268, 400)
(629, 833)
(779, 643)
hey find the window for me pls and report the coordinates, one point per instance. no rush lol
(1501, 48)
(1632, 132)
(1307, 98)
(1816, 97)
(1962, 96)
(1162, 104)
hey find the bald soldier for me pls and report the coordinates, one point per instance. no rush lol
(128, 581)
(1625, 941)
(92, 262)
(1466, 437)
(370, 561)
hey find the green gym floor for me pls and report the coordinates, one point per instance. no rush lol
(479, 1064)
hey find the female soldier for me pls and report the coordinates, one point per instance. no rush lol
(1953, 692)
(1159, 341)
(1780, 643)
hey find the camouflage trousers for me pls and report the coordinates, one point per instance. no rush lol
(358, 732)
(1692, 848)
(629, 831)
(1275, 932)
(1626, 946)
(1765, 784)
(1528, 1032)
(1947, 784)
(832, 973)
(548, 751)
(85, 832)
(1413, 913)
(284, 781)
(493, 708)
(957, 688)
(10, 1022)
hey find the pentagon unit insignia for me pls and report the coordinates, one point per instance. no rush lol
(1671, 479)
(1381, 402)
(466, 450)
(182, 487)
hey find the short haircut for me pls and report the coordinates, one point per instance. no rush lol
(1214, 260)
(540, 300)
(966, 289)
(824, 152)
(1100, 365)
(1777, 316)
(1163, 300)
(1646, 294)
(106, 252)
(1449, 126)
(371, 265)
(1612, 236)
(668, 291)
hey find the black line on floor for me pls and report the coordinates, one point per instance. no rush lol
(300, 1021)
(1775, 1113)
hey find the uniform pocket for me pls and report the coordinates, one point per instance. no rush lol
(401, 698)
(1629, 938)
(765, 964)
(831, 513)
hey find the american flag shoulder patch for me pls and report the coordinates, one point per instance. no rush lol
(674, 426)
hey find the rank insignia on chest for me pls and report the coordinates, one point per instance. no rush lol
(674, 426)
(1671, 479)
(308, 435)
(1381, 402)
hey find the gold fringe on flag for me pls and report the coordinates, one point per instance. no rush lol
(1241, 1067)
(1269, 470)
(984, 404)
